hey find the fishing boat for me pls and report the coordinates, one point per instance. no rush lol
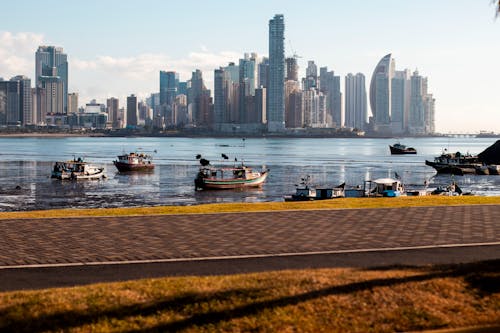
(77, 169)
(456, 163)
(223, 178)
(134, 162)
(304, 192)
(400, 149)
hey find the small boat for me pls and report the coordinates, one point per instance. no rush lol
(384, 187)
(224, 178)
(134, 162)
(77, 169)
(456, 164)
(305, 193)
(399, 149)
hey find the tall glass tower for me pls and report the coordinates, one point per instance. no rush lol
(276, 88)
(51, 65)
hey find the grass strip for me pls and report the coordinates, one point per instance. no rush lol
(340, 203)
(386, 299)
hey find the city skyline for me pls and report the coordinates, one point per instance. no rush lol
(120, 62)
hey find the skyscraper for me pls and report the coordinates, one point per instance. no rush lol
(25, 116)
(131, 118)
(400, 101)
(292, 69)
(355, 101)
(51, 66)
(72, 103)
(380, 94)
(169, 82)
(276, 88)
(330, 86)
(112, 107)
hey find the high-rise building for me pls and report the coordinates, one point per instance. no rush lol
(311, 79)
(247, 85)
(417, 113)
(131, 118)
(72, 103)
(276, 88)
(196, 98)
(380, 94)
(220, 98)
(25, 116)
(38, 100)
(169, 82)
(113, 107)
(400, 101)
(51, 65)
(295, 114)
(264, 72)
(9, 102)
(330, 86)
(356, 115)
(292, 69)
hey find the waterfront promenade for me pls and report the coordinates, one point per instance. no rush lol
(39, 253)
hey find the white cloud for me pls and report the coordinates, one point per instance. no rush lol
(106, 76)
(17, 53)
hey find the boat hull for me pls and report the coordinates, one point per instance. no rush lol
(79, 175)
(127, 167)
(406, 151)
(454, 169)
(228, 184)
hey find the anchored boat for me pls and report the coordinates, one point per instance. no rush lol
(304, 192)
(222, 178)
(134, 162)
(399, 149)
(77, 169)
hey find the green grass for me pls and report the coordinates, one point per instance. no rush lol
(320, 300)
(341, 203)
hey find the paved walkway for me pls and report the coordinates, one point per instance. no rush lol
(144, 239)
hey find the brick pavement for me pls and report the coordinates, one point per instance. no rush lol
(104, 239)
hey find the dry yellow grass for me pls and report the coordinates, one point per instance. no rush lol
(263, 206)
(322, 300)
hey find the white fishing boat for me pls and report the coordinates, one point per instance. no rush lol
(77, 169)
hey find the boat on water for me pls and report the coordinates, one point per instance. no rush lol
(231, 177)
(400, 149)
(134, 161)
(77, 169)
(304, 192)
(384, 187)
(457, 163)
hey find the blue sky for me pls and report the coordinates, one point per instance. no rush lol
(116, 48)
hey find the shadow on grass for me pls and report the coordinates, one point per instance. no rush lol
(483, 276)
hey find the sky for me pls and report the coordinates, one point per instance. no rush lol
(117, 48)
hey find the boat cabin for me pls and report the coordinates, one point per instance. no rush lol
(385, 187)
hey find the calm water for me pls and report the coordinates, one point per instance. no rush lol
(26, 163)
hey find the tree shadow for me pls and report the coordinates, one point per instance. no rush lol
(65, 320)
(481, 276)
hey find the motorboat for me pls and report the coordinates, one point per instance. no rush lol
(304, 192)
(400, 149)
(77, 169)
(227, 177)
(134, 161)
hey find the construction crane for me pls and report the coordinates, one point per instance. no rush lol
(294, 54)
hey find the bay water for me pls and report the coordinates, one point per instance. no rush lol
(26, 164)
